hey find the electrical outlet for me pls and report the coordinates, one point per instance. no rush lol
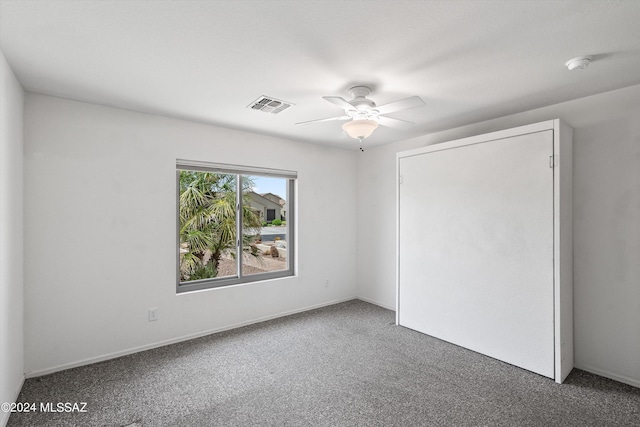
(153, 314)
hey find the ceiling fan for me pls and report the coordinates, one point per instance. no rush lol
(364, 116)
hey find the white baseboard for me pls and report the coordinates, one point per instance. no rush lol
(116, 354)
(4, 416)
(376, 303)
(603, 373)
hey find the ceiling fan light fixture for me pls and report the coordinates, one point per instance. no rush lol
(360, 129)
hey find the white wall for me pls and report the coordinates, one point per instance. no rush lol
(11, 238)
(606, 224)
(100, 221)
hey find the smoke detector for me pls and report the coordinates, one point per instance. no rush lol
(579, 63)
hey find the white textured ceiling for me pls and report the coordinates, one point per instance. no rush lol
(207, 60)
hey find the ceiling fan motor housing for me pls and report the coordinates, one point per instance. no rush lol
(360, 100)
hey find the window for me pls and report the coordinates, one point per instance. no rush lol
(235, 224)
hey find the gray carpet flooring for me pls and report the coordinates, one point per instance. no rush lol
(343, 365)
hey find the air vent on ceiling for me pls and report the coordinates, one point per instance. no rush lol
(269, 105)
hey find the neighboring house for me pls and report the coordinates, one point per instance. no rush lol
(279, 200)
(265, 207)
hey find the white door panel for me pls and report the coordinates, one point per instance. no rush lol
(476, 248)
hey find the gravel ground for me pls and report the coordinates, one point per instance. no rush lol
(263, 264)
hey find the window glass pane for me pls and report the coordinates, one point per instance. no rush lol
(207, 212)
(234, 226)
(264, 224)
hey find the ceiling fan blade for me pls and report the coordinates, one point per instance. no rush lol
(340, 102)
(324, 120)
(403, 104)
(394, 123)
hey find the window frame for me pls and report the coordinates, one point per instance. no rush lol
(239, 171)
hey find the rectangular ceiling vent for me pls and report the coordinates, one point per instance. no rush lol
(269, 104)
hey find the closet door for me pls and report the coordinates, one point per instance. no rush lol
(476, 248)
